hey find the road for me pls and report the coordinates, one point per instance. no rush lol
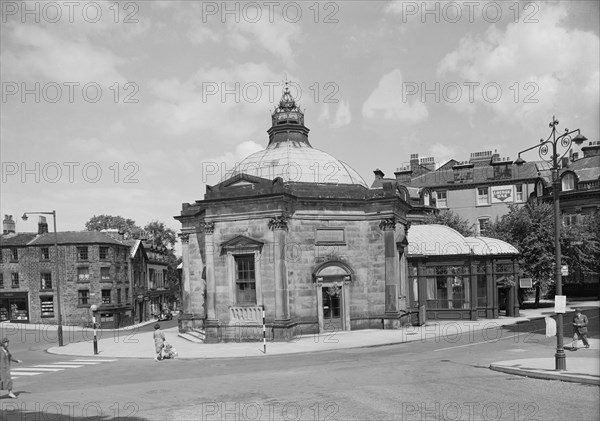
(437, 378)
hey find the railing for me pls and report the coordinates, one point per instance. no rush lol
(247, 315)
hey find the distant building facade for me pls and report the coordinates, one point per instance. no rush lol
(478, 190)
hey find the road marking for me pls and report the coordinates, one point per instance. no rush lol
(25, 373)
(58, 365)
(487, 342)
(36, 369)
(100, 361)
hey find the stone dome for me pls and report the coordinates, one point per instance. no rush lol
(290, 155)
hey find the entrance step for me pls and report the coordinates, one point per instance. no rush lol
(195, 335)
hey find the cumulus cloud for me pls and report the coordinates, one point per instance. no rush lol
(531, 70)
(343, 116)
(388, 102)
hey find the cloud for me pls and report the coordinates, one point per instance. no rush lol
(386, 102)
(343, 116)
(526, 80)
(37, 52)
(219, 101)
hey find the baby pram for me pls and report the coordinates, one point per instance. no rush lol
(168, 351)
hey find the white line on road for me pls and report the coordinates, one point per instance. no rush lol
(58, 365)
(36, 369)
(100, 361)
(26, 373)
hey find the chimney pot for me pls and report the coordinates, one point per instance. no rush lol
(42, 225)
(8, 225)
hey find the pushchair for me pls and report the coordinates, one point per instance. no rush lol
(168, 352)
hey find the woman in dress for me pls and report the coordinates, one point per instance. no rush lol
(159, 341)
(5, 359)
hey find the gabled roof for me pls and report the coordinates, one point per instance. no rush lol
(440, 240)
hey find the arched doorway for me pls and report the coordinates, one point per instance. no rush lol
(332, 280)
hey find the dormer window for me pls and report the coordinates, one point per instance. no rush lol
(568, 182)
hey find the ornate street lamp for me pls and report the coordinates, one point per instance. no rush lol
(553, 141)
(53, 213)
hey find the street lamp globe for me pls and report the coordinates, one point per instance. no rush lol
(94, 308)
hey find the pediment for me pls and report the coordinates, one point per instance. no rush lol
(241, 243)
(243, 180)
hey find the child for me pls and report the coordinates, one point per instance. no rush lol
(168, 352)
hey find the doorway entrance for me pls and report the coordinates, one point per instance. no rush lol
(332, 309)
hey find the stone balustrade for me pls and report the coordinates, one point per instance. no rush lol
(245, 315)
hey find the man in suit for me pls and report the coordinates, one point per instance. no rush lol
(580, 322)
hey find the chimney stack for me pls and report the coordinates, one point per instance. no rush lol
(414, 161)
(114, 233)
(8, 225)
(42, 226)
(378, 174)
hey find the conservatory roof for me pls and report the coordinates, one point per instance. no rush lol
(440, 240)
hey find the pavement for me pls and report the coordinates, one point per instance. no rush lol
(582, 367)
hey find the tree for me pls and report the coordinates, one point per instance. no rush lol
(530, 229)
(160, 235)
(101, 222)
(452, 220)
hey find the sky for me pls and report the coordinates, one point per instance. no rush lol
(131, 108)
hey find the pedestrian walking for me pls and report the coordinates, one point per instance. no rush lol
(580, 322)
(6, 358)
(159, 341)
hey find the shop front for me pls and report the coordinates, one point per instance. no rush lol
(14, 307)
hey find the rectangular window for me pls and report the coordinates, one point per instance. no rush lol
(45, 253)
(106, 296)
(570, 220)
(152, 280)
(442, 199)
(14, 256)
(519, 192)
(83, 274)
(103, 253)
(82, 253)
(105, 274)
(119, 296)
(245, 279)
(46, 280)
(1, 280)
(330, 236)
(83, 296)
(14, 279)
(483, 225)
(47, 305)
(126, 295)
(483, 196)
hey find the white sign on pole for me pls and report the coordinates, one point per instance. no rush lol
(560, 304)
(564, 270)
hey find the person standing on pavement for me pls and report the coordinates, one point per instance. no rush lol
(159, 341)
(580, 322)
(5, 359)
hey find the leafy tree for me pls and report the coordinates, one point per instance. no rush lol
(101, 222)
(452, 220)
(530, 228)
(160, 235)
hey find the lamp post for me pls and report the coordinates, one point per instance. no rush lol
(553, 141)
(94, 309)
(53, 213)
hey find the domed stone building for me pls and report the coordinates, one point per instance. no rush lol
(297, 232)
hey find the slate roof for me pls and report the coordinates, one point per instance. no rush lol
(587, 169)
(75, 237)
(440, 240)
(16, 239)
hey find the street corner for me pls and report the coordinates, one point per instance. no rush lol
(585, 370)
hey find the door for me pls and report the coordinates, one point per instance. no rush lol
(332, 309)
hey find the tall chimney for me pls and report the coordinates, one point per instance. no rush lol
(42, 226)
(414, 161)
(8, 225)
